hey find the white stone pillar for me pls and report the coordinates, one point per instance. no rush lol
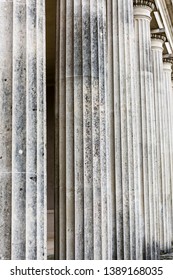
(23, 108)
(6, 27)
(81, 99)
(145, 126)
(157, 59)
(167, 68)
(120, 106)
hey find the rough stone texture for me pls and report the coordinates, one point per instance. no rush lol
(157, 59)
(168, 256)
(5, 126)
(19, 132)
(95, 194)
(145, 130)
(36, 206)
(31, 133)
(41, 133)
(82, 194)
(23, 148)
(109, 195)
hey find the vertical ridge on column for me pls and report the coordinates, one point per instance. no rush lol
(126, 94)
(102, 101)
(129, 53)
(6, 27)
(19, 131)
(95, 129)
(87, 133)
(31, 133)
(62, 132)
(132, 169)
(152, 160)
(41, 134)
(110, 138)
(78, 132)
(124, 131)
(146, 138)
(117, 135)
(70, 183)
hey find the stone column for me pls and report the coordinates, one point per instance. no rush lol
(157, 59)
(120, 106)
(81, 102)
(6, 27)
(167, 134)
(145, 127)
(23, 107)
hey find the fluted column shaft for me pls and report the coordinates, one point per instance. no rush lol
(6, 24)
(24, 148)
(120, 130)
(157, 59)
(167, 134)
(80, 96)
(145, 128)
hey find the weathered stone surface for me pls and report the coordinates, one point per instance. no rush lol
(113, 135)
(6, 24)
(168, 256)
(19, 132)
(23, 148)
(145, 129)
(41, 133)
(96, 196)
(36, 205)
(120, 110)
(82, 195)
